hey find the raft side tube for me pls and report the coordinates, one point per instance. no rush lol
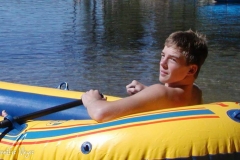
(18, 103)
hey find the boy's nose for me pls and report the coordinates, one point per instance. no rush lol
(163, 63)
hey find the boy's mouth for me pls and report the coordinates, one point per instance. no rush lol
(163, 73)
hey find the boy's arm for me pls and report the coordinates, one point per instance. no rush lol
(151, 98)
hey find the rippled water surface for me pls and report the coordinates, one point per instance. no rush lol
(105, 44)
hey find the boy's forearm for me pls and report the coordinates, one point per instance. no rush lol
(101, 111)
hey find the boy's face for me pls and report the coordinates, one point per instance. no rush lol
(173, 68)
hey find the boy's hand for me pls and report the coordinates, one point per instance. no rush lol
(134, 87)
(91, 96)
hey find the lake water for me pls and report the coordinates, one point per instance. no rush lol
(105, 44)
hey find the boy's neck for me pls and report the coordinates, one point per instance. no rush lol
(182, 84)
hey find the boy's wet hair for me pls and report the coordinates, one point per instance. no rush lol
(192, 44)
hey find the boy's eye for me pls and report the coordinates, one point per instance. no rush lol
(174, 59)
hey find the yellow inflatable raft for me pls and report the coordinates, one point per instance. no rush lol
(202, 132)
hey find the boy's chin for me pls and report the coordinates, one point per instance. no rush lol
(163, 80)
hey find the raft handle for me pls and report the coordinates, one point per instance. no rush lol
(234, 114)
(62, 84)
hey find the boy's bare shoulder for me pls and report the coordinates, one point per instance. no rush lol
(171, 95)
(177, 96)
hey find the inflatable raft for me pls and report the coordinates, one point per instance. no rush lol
(202, 132)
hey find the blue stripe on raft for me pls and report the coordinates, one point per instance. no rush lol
(20, 103)
(62, 132)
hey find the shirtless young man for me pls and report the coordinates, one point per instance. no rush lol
(181, 59)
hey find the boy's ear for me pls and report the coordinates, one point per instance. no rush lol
(193, 69)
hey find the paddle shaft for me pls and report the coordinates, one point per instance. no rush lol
(7, 123)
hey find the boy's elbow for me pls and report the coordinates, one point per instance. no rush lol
(99, 115)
